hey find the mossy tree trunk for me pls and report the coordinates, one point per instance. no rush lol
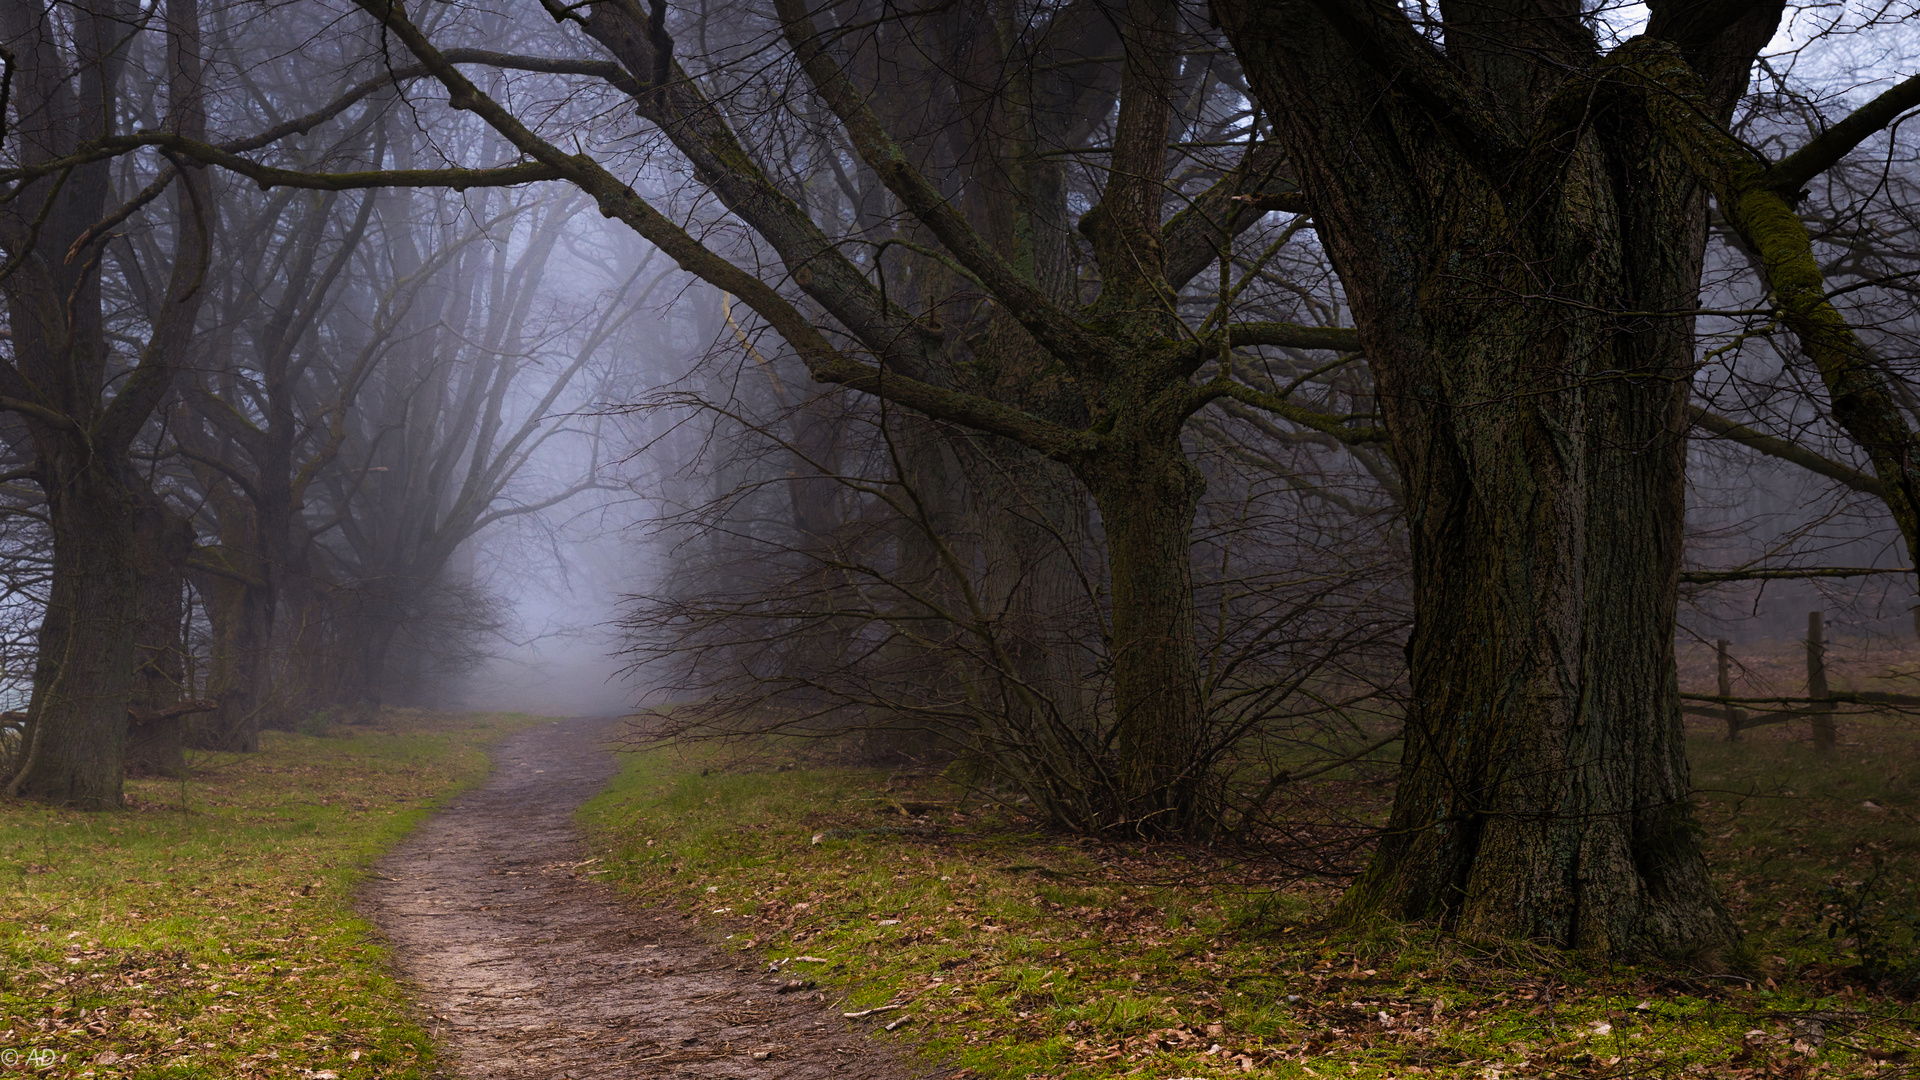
(1758, 202)
(1522, 251)
(83, 677)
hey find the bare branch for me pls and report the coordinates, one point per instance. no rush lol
(617, 200)
(1051, 326)
(1326, 423)
(1825, 151)
(1293, 336)
(1786, 450)
(1714, 577)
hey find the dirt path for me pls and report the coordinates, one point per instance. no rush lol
(530, 970)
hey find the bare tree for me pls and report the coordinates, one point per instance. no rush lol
(1528, 315)
(477, 385)
(82, 404)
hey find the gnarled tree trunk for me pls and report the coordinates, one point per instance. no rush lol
(1522, 254)
(76, 744)
(62, 370)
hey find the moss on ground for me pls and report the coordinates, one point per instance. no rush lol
(1017, 953)
(208, 931)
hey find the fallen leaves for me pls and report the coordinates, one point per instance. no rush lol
(1163, 961)
(152, 947)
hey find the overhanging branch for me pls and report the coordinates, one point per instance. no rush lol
(616, 200)
(1293, 336)
(1326, 423)
(1786, 450)
(1716, 577)
(268, 176)
(1825, 151)
(1051, 326)
(1863, 404)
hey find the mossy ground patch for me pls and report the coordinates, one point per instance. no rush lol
(1018, 953)
(208, 930)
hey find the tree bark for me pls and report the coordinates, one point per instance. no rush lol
(62, 369)
(239, 609)
(1510, 292)
(84, 675)
(156, 736)
(1147, 502)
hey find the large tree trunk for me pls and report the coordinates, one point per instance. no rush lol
(156, 736)
(1543, 793)
(1147, 502)
(82, 680)
(241, 618)
(61, 370)
(1535, 391)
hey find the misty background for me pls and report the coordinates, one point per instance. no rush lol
(490, 449)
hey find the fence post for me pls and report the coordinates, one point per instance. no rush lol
(1823, 733)
(1726, 690)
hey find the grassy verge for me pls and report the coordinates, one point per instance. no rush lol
(209, 930)
(1014, 953)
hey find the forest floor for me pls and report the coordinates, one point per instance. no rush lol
(236, 925)
(768, 911)
(994, 946)
(209, 930)
(530, 967)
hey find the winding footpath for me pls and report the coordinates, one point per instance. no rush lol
(528, 969)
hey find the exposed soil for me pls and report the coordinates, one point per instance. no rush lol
(529, 968)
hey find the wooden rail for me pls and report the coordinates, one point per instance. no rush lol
(1717, 577)
(1817, 706)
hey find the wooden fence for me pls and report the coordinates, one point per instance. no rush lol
(1817, 706)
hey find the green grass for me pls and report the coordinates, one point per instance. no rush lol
(1799, 839)
(1021, 954)
(208, 930)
